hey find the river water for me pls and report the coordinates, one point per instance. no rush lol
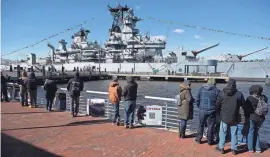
(170, 89)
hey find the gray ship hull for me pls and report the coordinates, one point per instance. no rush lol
(248, 70)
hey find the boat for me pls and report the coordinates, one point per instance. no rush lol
(127, 51)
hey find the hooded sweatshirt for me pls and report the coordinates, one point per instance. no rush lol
(229, 102)
(75, 82)
(207, 97)
(50, 88)
(115, 92)
(130, 90)
(252, 103)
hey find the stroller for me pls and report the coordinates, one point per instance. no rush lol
(141, 114)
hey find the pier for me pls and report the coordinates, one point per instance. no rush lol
(56, 134)
(171, 77)
(60, 77)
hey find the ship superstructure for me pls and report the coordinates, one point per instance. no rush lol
(80, 50)
(125, 44)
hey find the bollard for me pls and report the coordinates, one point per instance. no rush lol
(43, 70)
(10, 68)
(267, 80)
(18, 71)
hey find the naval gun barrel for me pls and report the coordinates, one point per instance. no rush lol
(242, 56)
(195, 53)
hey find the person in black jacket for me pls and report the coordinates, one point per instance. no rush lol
(50, 90)
(31, 85)
(4, 88)
(228, 106)
(74, 87)
(255, 120)
(130, 96)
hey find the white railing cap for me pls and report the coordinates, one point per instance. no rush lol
(159, 98)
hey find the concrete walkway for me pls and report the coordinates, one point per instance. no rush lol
(34, 132)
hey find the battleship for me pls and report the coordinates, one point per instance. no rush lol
(127, 51)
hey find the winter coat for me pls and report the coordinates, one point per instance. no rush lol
(31, 82)
(115, 92)
(207, 97)
(229, 102)
(130, 90)
(251, 103)
(185, 111)
(22, 82)
(3, 83)
(69, 86)
(50, 88)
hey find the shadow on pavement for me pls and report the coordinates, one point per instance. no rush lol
(14, 147)
(88, 122)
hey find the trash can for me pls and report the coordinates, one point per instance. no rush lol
(61, 103)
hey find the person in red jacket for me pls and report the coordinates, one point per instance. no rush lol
(115, 93)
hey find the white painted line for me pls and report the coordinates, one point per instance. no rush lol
(97, 92)
(159, 98)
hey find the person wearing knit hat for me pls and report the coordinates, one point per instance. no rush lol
(228, 106)
(255, 120)
(115, 93)
(206, 102)
(185, 110)
(75, 86)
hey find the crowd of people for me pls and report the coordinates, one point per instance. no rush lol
(219, 110)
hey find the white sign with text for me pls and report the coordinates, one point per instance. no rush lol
(153, 115)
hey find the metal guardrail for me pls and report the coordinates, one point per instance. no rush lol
(170, 118)
(169, 109)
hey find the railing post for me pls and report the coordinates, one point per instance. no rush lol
(107, 108)
(166, 114)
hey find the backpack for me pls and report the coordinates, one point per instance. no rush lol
(178, 100)
(262, 108)
(31, 84)
(75, 88)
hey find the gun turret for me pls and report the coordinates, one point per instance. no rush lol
(195, 53)
(240, 57)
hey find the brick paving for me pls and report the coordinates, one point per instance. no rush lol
(34, 132)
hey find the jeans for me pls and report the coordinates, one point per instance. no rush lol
(253, 135)
(33, 97)
(209, 118)
(182, 127)
(49, 103)
(116, 113)
(24, 96)
(129, 113)
(223, 133)
(76, 101)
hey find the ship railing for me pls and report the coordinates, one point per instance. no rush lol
(167, 74)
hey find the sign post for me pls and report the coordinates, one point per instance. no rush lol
(153, 115)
